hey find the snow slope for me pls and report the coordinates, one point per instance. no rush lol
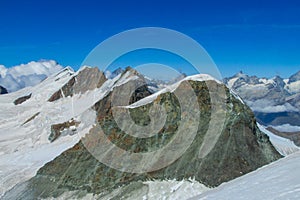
(283, 145)
(25, 75)
(175, 190)
(278, 180)
(24, 148)
(154, 190)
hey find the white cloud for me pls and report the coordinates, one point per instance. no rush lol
(267, 106)
(287, 128)
(25, 75)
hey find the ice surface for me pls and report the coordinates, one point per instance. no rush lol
(278, 180)
(283, 145)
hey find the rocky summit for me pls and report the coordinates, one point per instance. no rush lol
(86, 79)
(227, 142)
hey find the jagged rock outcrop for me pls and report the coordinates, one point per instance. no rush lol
(86, 79)
(240, 148)
(22, 99)
(57, 129)
(3, 90)
(31, 118)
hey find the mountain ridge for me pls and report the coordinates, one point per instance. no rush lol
(275, 101)
(241, 148)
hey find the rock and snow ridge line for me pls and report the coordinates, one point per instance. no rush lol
(172, 88)
(78, 100)
(30, 139)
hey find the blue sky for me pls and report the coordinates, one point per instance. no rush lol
(257, 37)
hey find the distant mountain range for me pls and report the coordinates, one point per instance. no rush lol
(275, 101)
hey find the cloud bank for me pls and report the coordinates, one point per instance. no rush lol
(26, 75)
(267, 106)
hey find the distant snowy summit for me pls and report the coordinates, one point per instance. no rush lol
(25, 75)
(290, 85)
(275, 101)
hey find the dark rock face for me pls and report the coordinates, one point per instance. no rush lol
(241, 148)
(3, 90)
(31, 118)
(66, 90)
(86, 79)
(22, 99)
(138, 86)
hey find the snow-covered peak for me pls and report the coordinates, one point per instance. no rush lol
(269, 96)
(240, 79)
(240, 74)
(83, 68)
(295, 77)
(172, 88)
(201, 77)
(266, 81)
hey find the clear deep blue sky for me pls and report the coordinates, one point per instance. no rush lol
(257, 37)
